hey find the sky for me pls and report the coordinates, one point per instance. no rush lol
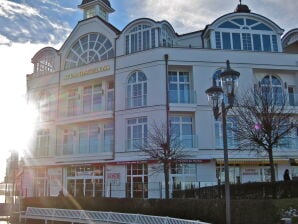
(26, 26)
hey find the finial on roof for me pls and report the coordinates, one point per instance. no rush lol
(242, 8)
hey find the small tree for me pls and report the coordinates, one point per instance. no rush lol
(263, 121)
(164, 146)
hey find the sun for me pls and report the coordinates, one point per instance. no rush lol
(18, 127)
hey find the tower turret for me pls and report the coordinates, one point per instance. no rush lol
(101, 8)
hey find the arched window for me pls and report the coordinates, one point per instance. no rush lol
(93, 47)
(271, 88)
(167, 36)
(137, 90)
(141, 37)
(245, 34)
(45, 64)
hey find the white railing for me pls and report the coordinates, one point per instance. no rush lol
(83, 216)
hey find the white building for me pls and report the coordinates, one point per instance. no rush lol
(100, 92)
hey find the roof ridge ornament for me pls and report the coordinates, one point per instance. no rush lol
(242, 8)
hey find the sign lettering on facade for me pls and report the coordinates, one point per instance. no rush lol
(87, 72)
(114, 178)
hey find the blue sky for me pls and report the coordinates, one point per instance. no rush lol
(26, 26)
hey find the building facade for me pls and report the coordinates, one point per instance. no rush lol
(99, 94)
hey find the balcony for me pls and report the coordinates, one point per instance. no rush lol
(182, 96)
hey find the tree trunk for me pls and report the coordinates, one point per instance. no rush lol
(272, 172)
(167, 177)
(271, 162)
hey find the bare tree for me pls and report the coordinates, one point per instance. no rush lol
(164, 146)
(263, 121)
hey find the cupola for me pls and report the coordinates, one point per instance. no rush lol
(101, 8)
(242, 8)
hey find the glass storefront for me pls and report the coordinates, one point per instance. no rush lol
(85, 181)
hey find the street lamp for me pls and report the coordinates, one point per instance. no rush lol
(218, 95)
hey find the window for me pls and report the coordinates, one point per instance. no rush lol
(90, 13)
(136, 133)
(42, 143)
(45, 64)
(182, 127)
(245, 34)
(141, 37)
(40, 182)
(85, 181)
(137, 181)
(231, 138)
(271, 88)
(92, 98)
(180, 87)
(93, 47)
(89, 139)
(68, 142)
(137, 90)
(183, 176)
(108, 137)
(73, 102)
(292, 96)
(44, 107)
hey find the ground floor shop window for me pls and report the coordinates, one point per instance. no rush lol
(234, 174)
(137, 181)
(183, 176)
(294, 172)
(87, 181)
(40, 182)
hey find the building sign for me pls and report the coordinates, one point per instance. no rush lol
(113, 178)
(250, 171)
(87, 72)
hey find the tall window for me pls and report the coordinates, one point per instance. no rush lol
(93, 47)
(92, 98)
(137, 90)
(182, 128)
(68, 142)
(73, 102)
(136, 133)
(89, 139)
(137, 181)
(44, 107)
(42, 143)
(245, 34)
(272, 88)
(40, 182)
(141, 37)
(108, 137)
(231, 138)
(180, 87)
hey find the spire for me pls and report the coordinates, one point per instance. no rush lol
(242, 8)
(101, 8)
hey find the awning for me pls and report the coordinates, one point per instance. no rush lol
(253, 161)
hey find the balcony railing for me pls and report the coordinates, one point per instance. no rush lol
(136, 101)
(182, 96)
(87, 148)
(79, 107)
(183, 141)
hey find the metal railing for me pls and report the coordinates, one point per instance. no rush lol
(84, 216)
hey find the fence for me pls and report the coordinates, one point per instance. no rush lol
(260, 190)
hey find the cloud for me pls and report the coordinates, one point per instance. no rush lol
(33, 21)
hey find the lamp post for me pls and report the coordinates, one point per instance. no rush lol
(222, 99)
